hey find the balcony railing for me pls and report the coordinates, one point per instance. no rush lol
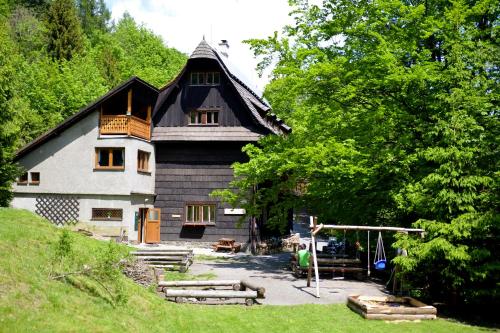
(125, 124)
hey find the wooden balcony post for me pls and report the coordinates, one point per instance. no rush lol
(129, 102)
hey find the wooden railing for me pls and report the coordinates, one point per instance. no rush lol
(125, 124)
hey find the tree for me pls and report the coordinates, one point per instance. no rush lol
(394, 110)
(94, 16)
(64, 30)
(9, 130)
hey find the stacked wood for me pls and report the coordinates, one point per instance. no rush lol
(235, 289)
(179, 259)
(329, 264)
(383, 307)
(139, 272)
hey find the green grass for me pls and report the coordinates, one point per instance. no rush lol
(176, 276)
(32, 302)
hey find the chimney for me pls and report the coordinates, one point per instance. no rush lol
(224, 47)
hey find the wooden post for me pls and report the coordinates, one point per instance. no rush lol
(316, 273)
(148, 119)
(129, 102)
(368, 252)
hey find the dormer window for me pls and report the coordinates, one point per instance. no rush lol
(204, 117)
(205, 78)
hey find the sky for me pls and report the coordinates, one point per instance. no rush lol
(183, 23)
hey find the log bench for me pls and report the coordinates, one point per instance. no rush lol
(327, 264)
(235, 289)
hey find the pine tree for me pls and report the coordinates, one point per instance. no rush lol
(94, 16)
(64, 30)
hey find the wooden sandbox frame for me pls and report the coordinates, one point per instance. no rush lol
(414, 309)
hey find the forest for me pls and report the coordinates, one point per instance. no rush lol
(394, 106)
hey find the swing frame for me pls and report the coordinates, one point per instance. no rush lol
(315, 229)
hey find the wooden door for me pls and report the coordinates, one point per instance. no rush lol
(152, 229)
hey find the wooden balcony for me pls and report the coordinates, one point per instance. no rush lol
(125, 124)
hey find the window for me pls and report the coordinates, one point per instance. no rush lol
(110, 158)
(23, 179)
(204, 117)
(142, 161)
(35, 178)
(107, 214)
(200, 213)
(205, 78)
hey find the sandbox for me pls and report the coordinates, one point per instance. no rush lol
(390, 308)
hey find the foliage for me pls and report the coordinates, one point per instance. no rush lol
(64, 30)
(394, 110)
(94, 16)
(9, 127)
(32, 302)
(105, 269)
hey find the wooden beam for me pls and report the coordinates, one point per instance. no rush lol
(208, 283)
(129, 102)
(250, 285)
(313, 223)
(210, 293)
(370, 228)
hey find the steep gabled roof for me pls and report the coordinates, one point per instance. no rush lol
(79, 115)
(259, 109)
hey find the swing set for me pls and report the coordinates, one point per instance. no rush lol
(379, 259)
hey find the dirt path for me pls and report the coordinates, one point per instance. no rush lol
(282, 288)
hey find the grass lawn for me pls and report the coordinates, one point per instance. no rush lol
(31, 302)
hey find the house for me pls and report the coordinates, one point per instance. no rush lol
(144, 161)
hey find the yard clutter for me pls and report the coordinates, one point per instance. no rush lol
(227, 292)
(170, 259)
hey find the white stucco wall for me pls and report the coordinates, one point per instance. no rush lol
(130, 204)
(66, 163)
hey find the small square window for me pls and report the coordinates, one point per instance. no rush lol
(23, 179)
(142, 161)
(107, 214)
(110, 158)
(35, 178)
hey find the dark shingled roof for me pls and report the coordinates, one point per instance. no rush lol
(79, 115)
(203, 50)
(259, 109)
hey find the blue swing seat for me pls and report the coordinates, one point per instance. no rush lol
(380, 265)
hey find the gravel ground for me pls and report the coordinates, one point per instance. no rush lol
(282, 288)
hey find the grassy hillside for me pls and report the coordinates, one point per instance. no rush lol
(31, 301)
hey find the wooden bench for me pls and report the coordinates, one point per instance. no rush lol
(328, 264)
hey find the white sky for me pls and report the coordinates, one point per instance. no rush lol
(183, 23)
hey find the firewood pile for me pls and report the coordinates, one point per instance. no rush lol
(140, 272)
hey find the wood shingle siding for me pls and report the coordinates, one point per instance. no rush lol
(187, 173)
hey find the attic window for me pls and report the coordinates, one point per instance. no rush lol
(205, 78)
(204, 117)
